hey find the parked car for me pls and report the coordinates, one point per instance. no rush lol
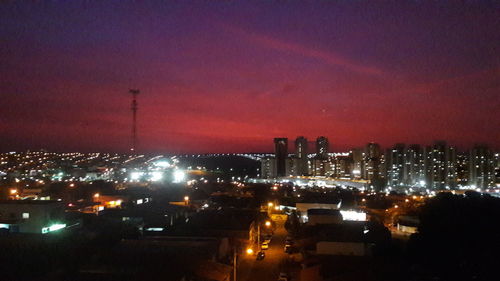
(288, 248)
(261, 255)
(267, 238)
(284, 277)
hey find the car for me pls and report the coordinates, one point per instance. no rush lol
(288, 249)
(264, 246)
(267, 238)
(284, 277)
(261, 255)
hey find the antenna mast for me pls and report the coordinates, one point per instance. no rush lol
(134, 108)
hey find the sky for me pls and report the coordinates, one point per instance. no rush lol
(229, 76)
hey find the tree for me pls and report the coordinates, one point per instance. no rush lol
(457, 236)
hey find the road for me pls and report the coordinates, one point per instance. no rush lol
(269, 268)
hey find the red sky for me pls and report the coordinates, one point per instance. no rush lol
(230, 76)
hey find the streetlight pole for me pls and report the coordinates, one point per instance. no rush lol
(235, 260)
(258, 237)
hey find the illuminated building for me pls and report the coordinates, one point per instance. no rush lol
(281, 154)
(322, 167)
(358, 164)
(268, 168)
(463, 169)
(414, 165)
(395, 161)
(341, 167)
(481, 167)
(497, 168)
(440, 165)
(372, 161)
(301, 168)
(31, 216)
(322, 147)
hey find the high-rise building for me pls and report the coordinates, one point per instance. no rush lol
(463, 169)
(341, 167)
(395, 165)
(496, 164)
(372, 161)
(481, 167)
(322, 146)
(358, 163)
(414, 166)
(268, 168)
(441, 163)
(281, 154)
(291, 166)
(300, 162)
(451, 167)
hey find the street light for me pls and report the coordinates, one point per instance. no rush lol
(268, 223)
(270, 204)
(249, 251)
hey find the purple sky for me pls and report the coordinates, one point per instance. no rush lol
(228, 76)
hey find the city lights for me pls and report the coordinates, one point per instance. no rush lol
(53, 227)
(266, 140)
(135, 176)
(156, 176)
(162, 164)
(179, 176)
(348, 215)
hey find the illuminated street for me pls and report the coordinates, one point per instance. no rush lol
(270, 267)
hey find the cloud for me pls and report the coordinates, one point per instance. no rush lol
(326, 57)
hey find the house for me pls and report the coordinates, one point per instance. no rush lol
(31, 216)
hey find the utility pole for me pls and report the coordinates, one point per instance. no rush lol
(134, 108)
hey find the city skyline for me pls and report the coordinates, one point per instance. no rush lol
(228, 77)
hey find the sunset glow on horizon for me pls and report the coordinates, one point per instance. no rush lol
(230, 76)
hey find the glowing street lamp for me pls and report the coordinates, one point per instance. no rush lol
(270, 204)
(249, 251)
(13, 191)
(268, 223)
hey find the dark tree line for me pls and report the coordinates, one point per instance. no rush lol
(458, 237)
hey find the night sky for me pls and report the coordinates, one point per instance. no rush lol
(228, 76)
